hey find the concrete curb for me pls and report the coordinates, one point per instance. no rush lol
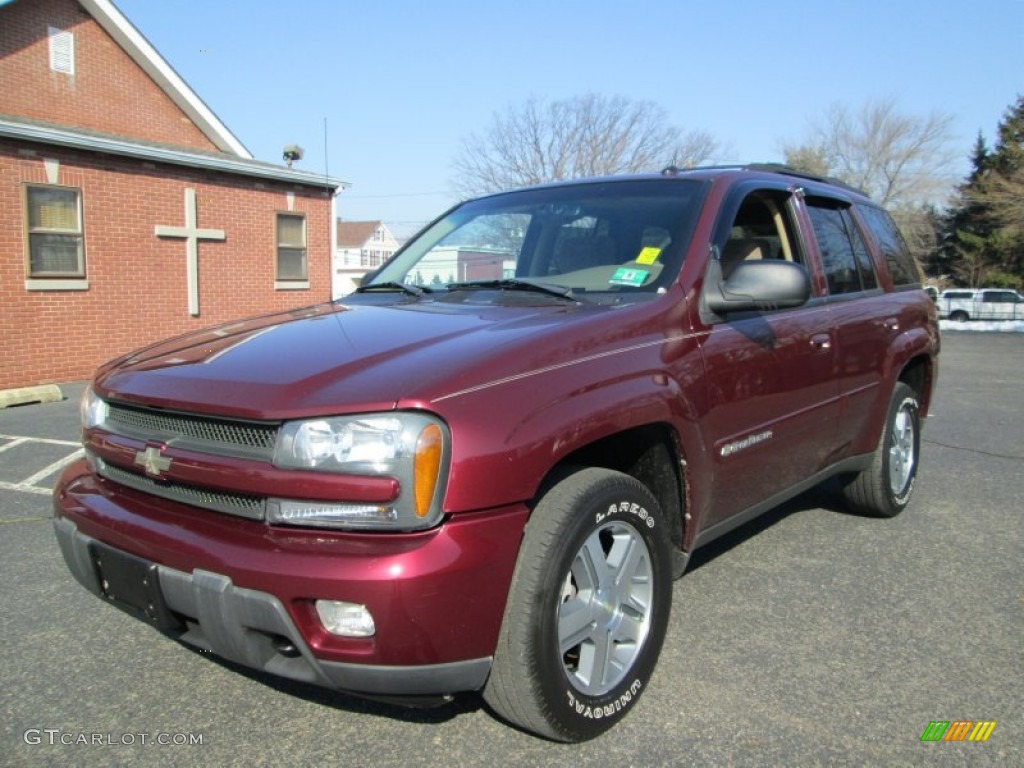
(43, 393)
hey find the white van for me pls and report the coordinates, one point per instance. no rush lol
(963, 304)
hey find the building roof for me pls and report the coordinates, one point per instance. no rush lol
(355, 233)
(170, 82)
(14, 127)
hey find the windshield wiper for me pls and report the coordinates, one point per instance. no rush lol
(515, 284)
(411, 290)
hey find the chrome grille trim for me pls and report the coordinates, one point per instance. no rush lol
(238, 504)
(227, 437)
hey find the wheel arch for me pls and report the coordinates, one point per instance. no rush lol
(919, 375)
(650, 453)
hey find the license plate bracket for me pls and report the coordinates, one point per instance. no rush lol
(133, 585)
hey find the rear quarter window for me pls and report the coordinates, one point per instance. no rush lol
(1007, 297)
(900, 263)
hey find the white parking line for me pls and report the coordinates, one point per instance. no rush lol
(47, 471)
(22, 439)
(4, 486)
(28, 485)
(14, 441)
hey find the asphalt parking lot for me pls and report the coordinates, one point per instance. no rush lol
(809, 637)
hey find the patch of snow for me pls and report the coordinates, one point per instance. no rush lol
(998, 326)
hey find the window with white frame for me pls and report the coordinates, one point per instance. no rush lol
(62, 51)
(56, 247)
(291, 247)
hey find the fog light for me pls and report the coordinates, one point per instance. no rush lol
(345, 619)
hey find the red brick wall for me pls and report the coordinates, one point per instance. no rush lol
(108, 92)
(138, 291)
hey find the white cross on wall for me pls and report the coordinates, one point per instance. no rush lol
(192, 235)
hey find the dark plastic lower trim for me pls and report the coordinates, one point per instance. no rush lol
(852, 464)
(253, 628)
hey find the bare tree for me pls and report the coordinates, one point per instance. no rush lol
(589, 135)
(807, 158)
(896, 158)
(919, 225)
(1003, 196)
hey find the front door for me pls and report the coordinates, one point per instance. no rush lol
(773, 396)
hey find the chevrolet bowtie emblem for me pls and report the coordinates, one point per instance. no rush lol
(152, 461)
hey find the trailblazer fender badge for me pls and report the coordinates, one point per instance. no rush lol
(152, 461)
(740, 445)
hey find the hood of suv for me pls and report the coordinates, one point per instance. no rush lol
(335, 358)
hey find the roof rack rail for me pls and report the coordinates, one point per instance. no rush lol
(788, 170)
(674, 170)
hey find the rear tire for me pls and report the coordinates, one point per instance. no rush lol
(587, 610)
(884, 488)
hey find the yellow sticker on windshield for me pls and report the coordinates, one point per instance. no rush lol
(648, 255)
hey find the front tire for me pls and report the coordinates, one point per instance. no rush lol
(884, 488)
(588, 608)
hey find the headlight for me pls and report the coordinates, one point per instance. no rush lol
(92, 409)
(410, 447)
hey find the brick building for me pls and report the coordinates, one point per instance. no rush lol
(128, 211)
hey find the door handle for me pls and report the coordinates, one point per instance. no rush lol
(821, 341)
(891, 324)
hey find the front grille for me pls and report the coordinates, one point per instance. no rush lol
(219, 436)
(242, 505)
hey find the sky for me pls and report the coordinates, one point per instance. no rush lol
(401, 84)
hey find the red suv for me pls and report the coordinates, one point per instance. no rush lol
(483, 469)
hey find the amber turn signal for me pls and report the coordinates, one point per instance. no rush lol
(427, 467)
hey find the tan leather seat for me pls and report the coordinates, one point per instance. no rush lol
(743, 250)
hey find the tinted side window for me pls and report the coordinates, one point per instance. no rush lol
(843, 252)
(900, 263)
(860, 252)
(1008, 297)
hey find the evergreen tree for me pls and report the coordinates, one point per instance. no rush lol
(983, 234)
(979, 158)
(1008, 155)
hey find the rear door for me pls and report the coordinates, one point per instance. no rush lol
(864, 318)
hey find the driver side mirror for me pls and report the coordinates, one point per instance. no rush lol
(756, 286)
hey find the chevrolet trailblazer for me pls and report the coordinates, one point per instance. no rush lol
(482, 470)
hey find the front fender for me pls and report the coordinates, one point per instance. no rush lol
(503, 452)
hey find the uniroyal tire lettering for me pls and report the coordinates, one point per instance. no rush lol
(621, 704)
(627, 507)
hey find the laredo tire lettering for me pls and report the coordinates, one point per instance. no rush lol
(629, 508)
(596, 545)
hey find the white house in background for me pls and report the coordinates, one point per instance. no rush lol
(362, 246)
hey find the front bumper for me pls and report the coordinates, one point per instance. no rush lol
(244, 591)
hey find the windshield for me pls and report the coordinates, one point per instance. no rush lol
(607, 237)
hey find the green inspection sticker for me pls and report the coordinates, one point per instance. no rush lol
(625, 276)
